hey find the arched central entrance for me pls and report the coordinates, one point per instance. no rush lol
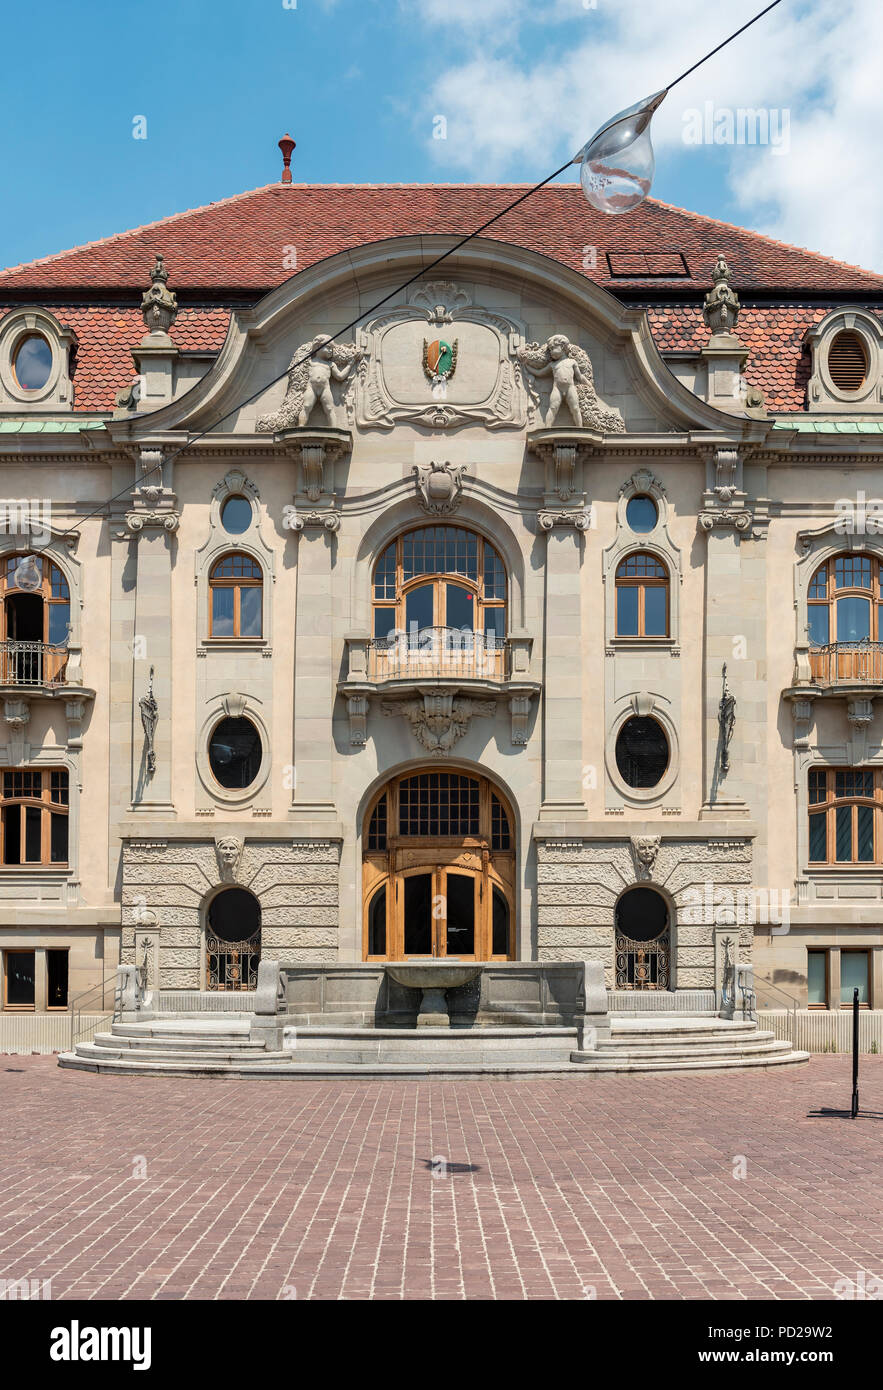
(438, 870)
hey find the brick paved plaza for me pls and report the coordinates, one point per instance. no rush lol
(623, 1185)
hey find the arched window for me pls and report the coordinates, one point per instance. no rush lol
(641, 597)
(233, 940)
(35, 621)
(844, 601)
(236, 583)
(441, 577)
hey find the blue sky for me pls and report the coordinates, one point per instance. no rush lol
(359, 84)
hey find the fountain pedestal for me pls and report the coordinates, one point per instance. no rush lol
(433, 978)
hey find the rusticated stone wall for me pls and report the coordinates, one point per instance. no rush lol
(167, 884)
(579, 882)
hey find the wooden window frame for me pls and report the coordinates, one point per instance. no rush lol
(50, 575)
(829, 806)
(872, 592)
(642, 582)
(48, 808)
(237, 583)
(439, 579)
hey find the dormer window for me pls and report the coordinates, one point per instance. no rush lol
(848, 361)
(33, 362)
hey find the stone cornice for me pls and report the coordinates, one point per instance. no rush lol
(623, 830)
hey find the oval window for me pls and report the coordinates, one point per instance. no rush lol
(235, 753)
(641, 514)
(848, 361)
(236, 515)
(642, 752)
(33, 362)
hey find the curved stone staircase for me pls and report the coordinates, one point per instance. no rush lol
(223, 1047)
(683, 1042)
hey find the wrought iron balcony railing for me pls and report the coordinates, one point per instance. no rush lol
(439, 653)
(32, 664)
(839, 662)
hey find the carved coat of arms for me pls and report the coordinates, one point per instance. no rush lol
(440, 359)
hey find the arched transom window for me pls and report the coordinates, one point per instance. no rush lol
(641, 596)
(442, 577)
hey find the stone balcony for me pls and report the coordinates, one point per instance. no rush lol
(439, 665)
(40, 671)
(850, 671)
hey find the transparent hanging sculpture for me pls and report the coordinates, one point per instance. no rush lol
(617, 164)
(28, 574)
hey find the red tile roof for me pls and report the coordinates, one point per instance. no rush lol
(242, 242)
(242, 246)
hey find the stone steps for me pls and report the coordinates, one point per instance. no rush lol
(186, 1047)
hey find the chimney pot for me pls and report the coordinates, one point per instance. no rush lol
(286, 145)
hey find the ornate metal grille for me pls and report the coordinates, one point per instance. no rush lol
(642, 964)
(233, 965)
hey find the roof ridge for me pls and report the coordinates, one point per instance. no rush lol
(764, 236)
(134, 231)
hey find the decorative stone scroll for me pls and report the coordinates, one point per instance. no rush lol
(438, 721)
(580, 517)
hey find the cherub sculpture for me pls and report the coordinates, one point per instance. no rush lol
(573, 384)
(313, 368)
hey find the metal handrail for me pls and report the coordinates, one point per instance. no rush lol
(78, 1005)
(859, 660)
(32, 663)
(439, 651)
(792, 1003)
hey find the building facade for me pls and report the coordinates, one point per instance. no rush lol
(530, 613)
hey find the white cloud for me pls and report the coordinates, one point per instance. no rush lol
(527, 106)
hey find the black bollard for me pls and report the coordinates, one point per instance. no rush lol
(854, 1053)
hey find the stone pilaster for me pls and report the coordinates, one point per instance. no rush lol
(315, 676)
(562, 673)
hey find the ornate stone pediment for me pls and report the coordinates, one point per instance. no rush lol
(442, 362)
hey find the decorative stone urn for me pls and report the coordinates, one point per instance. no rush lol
(433, 978)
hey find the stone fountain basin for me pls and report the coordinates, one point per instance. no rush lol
(443, 974)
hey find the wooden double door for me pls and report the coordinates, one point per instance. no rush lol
(454, 902)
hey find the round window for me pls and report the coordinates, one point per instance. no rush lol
(641, 752)
(235, 753)
(236, 515)
(641, 514)
(33, 362)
